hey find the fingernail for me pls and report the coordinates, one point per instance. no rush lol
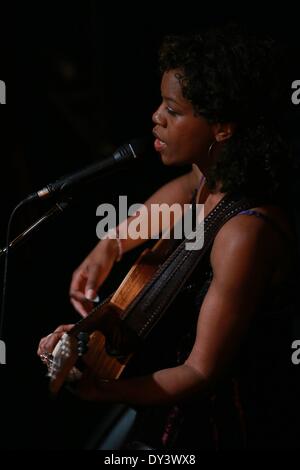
(90, 294)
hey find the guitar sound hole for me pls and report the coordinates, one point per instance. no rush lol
(114, 352)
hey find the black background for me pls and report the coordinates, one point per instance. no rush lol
(80, 82)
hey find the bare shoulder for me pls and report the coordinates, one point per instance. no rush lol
(242, 230)
(244, 247)
(252, 231)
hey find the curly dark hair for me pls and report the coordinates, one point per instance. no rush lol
(231, 75)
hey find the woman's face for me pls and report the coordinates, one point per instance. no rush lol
(181, 137)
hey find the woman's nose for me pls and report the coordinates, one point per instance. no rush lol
(156, 117)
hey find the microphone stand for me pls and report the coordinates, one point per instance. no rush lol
(58, 208)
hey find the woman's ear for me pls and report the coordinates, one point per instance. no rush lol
(223, 131)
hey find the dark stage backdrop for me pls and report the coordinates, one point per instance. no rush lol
(79, 83)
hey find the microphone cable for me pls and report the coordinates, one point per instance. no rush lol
(6, 256)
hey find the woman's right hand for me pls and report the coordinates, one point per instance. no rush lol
(92, 272)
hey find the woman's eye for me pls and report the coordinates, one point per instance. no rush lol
(171, 111)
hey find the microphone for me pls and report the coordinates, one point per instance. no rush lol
(130, 151)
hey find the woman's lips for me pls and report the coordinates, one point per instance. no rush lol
(159, 145)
